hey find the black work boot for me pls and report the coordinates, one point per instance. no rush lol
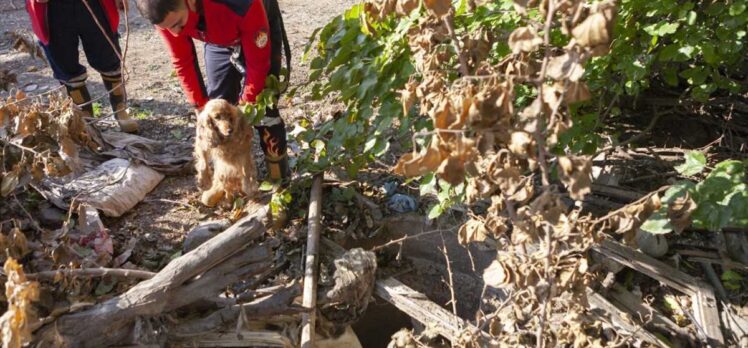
(118, 99)
(78, 92)
(273, 143)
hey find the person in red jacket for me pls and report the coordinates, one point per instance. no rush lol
(60, 25)
(242, 41)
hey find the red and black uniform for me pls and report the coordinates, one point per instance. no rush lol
(60, 25)
(243, 29)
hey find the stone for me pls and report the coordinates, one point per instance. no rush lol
(50, 216)
(654, 245)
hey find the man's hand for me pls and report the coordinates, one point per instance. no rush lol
(122, 5)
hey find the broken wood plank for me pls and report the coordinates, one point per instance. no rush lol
(704, 304)
(621, 320)
(621, 194)
(309, 297)
(417, 305)
(624, 299)
(243, 339)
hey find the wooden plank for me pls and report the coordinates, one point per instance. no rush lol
(247, 339)
(624, 299)
(703, 302)
(621, 320)
(417, 305)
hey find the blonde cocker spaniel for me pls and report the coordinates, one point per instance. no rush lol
(224, 158)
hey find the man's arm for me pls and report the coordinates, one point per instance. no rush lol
(184, 59)
(255, 40)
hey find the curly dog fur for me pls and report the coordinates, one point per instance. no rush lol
(224, 158)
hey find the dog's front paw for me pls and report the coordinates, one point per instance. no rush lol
(211, 198)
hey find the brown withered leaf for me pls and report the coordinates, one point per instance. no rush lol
(9, 181)
(452, 170)
(552, 96)
(524, 39)
(576, 173)
(405, 7)
(628, 219)
(440, 8)
(497, 275)
(408, 96)
(577, 92)
(20, 293)
(497, 225)
(597, 28)
(679, 212)
(472, 231)
(521, 5)
(568, 66)
(17, 244)
(425, 162)
(522, 145)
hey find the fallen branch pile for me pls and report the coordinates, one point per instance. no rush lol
(195, 279)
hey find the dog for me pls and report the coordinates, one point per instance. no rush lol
(224, 158)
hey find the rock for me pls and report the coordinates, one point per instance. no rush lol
(654, 245)
(51, 217)
(202, 233)
(402, 203)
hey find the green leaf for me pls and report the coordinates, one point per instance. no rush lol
(661, 29)
(732, 280)
(435, 212)
(266, 186)
(737, 8)
(658, 223)
(695, 163)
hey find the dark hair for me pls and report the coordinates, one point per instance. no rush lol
(156, 10)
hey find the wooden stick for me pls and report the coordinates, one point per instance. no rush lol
(309, 299)
(92, 273)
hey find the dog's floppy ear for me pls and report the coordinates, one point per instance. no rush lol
(205, 128)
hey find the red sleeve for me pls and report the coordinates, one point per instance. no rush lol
(255, 37)
(184, 59)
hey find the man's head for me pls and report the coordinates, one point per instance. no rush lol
(168, 14)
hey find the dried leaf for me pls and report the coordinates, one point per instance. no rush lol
(524, 39)
(440, 8)
(630, 218)
(472, 231)
(566, 67)
(9, 183)
(522, 145)
(496, 275)
(19, 292)
(576, 173)
(577, 92)
(427, 161)
(405, 7)
(679, 212)
(597, 28)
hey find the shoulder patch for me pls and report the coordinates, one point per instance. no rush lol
(240, 7)
(261, 38)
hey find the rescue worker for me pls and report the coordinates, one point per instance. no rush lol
(60, 25)
(242, 41)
